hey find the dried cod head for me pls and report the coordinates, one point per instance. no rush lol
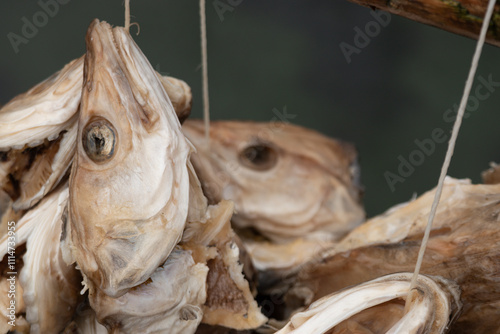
(129, 184)
(38, 132)
(298, 189)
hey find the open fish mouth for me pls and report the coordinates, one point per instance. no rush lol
(373, 307)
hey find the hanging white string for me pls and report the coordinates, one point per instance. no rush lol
(204, 66)
(127, 15)
(451, 144)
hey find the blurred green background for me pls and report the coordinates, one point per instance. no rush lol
(270, 54)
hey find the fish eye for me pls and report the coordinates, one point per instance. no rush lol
(259, 157)
(99, 140)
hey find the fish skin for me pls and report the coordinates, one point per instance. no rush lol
(127, 213)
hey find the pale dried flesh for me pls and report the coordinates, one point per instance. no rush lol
(430, 311)
(48, 290)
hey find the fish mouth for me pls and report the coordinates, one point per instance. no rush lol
(114, 62)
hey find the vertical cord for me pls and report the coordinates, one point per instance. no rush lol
(127, 15)
(451, 145)
(204, 66)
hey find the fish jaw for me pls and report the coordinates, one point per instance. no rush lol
(127, 209)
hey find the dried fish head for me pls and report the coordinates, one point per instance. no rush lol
(38, 132)
(129, 184)
(286, 181)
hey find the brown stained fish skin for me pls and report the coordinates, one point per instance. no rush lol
(132, 191)
(491, 175)
(291, 182)
(298, 189)
(463, 247)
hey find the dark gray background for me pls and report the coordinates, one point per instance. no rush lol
(271, 54)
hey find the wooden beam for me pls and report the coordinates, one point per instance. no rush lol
(463, 17)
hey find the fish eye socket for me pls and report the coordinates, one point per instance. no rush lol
(99, 140)
(259, 157)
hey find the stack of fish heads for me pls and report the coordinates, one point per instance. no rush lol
(131, 191)
(138, 225)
